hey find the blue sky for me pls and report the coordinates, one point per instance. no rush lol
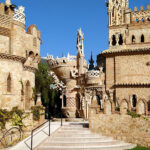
(59, 20)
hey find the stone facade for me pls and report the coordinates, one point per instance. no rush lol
(126, 61)
(19, 58)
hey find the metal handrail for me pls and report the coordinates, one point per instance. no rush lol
(36, 129)
(39, 127)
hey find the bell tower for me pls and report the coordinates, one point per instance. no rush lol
(116, 11)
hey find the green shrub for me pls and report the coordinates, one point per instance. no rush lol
(17, 117)
(36, 110)
(133, 114)
(5, 116)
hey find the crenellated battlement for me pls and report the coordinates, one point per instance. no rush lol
(142, 15)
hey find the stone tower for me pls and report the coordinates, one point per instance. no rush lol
(127, 59)
(19, 57)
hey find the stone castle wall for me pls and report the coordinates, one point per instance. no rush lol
(122, 127)
(17, 74)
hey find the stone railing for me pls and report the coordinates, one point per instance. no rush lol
(93, 73)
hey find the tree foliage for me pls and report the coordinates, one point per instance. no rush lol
(50, 97)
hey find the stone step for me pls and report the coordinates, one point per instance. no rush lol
(76, 135)
(84, 144)
(79, 139)
(102, 147)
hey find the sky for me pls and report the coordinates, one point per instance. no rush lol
(59, 20)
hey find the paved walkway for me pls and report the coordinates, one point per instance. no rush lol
(77, 136)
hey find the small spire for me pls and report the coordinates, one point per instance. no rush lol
(91, 61)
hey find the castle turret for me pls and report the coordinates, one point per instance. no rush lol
(80, 52)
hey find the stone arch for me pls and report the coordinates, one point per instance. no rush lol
(142, 107)
(133, 39)
(142, 38)
(31, 54)
(27, 95)
(108, 107)
(9, 83)
(114, 42)
(124, 106)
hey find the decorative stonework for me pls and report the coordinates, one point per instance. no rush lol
(12, 57)
(19, 14)
(4, 31)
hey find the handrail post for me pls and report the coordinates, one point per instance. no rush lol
(31, 139)
(49, 127)
(61, 119)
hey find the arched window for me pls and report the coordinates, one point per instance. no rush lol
(64, 101)
(98, 100)
(27, 95)
(114, 40)
(142, 38)
(31, 54)
(134, 100)
(120, 39)
(133, 39)
(9, 83)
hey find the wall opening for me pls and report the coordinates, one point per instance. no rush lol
(134, 100)
(142, 38)
(9, 83)
(133, 39)
(64, 101)
(78, 102)
(114, 40)
(120, 39)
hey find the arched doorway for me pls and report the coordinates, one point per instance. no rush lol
(78, 102)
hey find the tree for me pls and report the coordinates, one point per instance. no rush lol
(50, 97)
(42, 82)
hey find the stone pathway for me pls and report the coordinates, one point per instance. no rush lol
(77, 136)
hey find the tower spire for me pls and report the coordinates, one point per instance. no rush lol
(91, 61)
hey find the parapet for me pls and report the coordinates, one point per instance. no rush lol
(142, 15)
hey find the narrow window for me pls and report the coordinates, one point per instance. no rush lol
(134, 100)
(64, 101)
(98, 100)
(133, 39)
(9, 83)
(120, 39)
(142, 38)
(114, 40)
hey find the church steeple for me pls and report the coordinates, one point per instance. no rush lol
(91, 61)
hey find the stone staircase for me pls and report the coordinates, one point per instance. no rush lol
(78, 137)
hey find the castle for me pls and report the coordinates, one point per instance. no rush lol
(19, 57)
(121, 78)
